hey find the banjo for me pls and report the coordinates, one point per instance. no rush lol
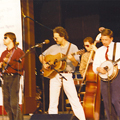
(111, 68)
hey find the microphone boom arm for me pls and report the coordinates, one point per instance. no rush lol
(27, 51)
(36, 21)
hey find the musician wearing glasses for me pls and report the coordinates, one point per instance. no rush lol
(11, 70)
(106, 64)
(60, 36)
(89, 46)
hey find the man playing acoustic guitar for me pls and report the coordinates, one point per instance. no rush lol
(110, 89)
(64, 47)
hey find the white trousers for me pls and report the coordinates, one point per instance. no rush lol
(70, 91)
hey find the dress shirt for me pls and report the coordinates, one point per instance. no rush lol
(100, 55)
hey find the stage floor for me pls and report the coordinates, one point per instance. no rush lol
(26, 117)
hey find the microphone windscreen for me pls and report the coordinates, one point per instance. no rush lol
(47, 41)
(16, 43)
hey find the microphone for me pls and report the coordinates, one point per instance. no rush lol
(16, 43)
(23, 14)
(40, 44)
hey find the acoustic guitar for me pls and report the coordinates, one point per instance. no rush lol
(57, 63)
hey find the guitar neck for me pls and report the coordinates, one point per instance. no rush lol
(75, 53)
(61, 59)
(64, 58)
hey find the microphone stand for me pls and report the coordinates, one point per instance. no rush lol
(62, 77)
(27, 51)
(43, 87)
(23, 37)
(36, 21)
(24, 16)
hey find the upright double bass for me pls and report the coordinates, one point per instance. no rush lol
(91, 99)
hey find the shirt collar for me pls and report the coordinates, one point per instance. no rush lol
(10, 49)
(111, 44)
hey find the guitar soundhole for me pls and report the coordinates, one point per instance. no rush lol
(55, 61)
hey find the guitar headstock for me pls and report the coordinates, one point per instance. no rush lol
(80, 52)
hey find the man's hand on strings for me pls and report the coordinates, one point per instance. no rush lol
(5, 59)
(72, 59)
(42, 60)
(101, 70)
(94, 48)
(46, 65)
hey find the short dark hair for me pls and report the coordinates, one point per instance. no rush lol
(107, 32)
(61, 31)
(12, 36)
(88, 39)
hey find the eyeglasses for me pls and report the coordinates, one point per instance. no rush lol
(86, 45)
(5, 37)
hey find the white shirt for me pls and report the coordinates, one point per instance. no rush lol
(100, 55)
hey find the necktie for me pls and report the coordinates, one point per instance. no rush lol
(106, 56)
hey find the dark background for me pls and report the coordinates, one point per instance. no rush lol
(81, 18)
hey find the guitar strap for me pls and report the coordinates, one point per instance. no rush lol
(114, 51)
(68, 49)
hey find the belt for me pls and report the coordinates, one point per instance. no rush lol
(11, 74)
